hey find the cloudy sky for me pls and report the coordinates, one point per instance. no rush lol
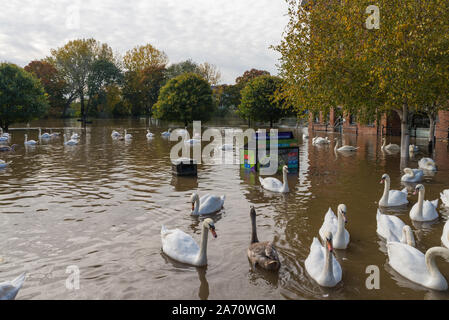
(235, 35)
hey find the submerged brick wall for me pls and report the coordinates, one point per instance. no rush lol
(442, 126)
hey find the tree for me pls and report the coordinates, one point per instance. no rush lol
(250, 75)
(227, 98)
(186, 98)
(141, 89)
(103, 75)
(258, 100)
(330, 58)
(22, 97)
(183, 67)
(53, 83)
(142, 57)
(74, 62)
(210, 73)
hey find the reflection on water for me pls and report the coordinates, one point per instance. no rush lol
(100, 205)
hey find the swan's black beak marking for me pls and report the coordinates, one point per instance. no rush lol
(212, 230)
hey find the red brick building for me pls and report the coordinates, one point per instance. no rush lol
(388, 124)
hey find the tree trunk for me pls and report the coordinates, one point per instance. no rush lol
(82, 106)
(405, 135)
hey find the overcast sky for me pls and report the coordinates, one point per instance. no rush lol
(235, 35)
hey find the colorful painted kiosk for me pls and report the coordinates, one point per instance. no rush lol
(288, 152)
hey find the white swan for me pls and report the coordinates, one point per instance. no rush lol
(417, 267)
(321, 264)
(166, 133)
(149, 134)
(207, 204)
(392, 198)
(412, 148)
(343, 148)
(4, 164)
(9, 289)
(75, 136)
(445, 235)
(54, 134)
(273, 184)
(412, 175)
(427, 164)
(128, 136)
(423, 210)
(46, 135)
(394, 229)
(181, 247)
(389, 147)
(29, 142)
(70, 142)
(445, 197)
(320, 140)
(115, 134)
(336, 226)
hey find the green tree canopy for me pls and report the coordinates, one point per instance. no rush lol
(22, 96)
(258, 100)
(53, 83)
(186, 98)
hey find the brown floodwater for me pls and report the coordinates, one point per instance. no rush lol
(100, 206)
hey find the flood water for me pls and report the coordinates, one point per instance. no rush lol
(100, 206)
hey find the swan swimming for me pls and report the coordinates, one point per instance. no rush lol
(390, 147)
(115, 134)
(263, 254)
(412, 175)
(423, 210)
(166, 133)
(394, 229)
(336, 225)
(273, 184)
(29, 142)
(321, 264)
(418, 267)
(4, 164)
(149, 134)
(128, 136)
(75, 136)
(392, 198)
(180, 246)
(207, 204)
(9, 289)
(46, 135)
(343, 148)
(70, 142)
(427, 164)
(320, 140)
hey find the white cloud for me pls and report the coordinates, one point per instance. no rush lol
(235, 35)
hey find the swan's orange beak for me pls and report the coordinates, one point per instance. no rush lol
(381, 181)
(212, 230)
(193, 206)
(414, 192)
(329, 246)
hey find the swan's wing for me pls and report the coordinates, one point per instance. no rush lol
(445, 235)
(434, 203)
(210, 204)
(179, 245)
(315, 261)
(9, 289)
(389, 227)
(408, 261)
(330, 224)
(397, 198)
(271, 183)
(429, 211)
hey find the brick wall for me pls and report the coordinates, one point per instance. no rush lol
(442, 126)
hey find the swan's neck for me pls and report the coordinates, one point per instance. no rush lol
(384, 143)
(196, 205)
(328, 271)
(337, 145)
(26, 139)
(285, 182)
(254, 238)
(202, 255)
(385, 196)
(340, 234)
(407, 237)
(431, 254)
(420, 202)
